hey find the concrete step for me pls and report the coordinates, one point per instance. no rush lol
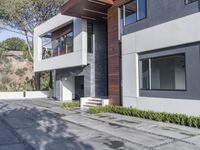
(94, 102)
(90, 105)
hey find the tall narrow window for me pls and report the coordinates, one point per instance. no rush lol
(142, 9)
(167, 73)
(90, 37)
(122, 20)
(69, 42)
(131, 12)
(144, 74)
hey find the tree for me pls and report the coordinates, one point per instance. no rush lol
(25, 15)
(15, 44)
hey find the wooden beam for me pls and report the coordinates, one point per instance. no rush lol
(107, 1)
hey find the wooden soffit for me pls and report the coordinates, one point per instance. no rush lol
(88, 9)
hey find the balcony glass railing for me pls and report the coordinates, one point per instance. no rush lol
(59, 42)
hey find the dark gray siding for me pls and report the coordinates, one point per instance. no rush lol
(95, 73)
(161, 11)
(192, 54)
(100, 55)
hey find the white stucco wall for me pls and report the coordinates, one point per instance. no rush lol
(37, 94)
(77, 58)
(177, 32)
(68, 89)
(23, 95)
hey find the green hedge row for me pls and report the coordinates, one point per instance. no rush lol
(180, 119)
(71, 104)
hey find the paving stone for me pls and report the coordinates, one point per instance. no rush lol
(178, 146)
(6, 137)
(13, 147)
(139, 137)
(21, 122)
(45, 125)
(195, 140)
(169, 131)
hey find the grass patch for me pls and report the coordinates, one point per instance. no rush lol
(71, 104)
(179, 119)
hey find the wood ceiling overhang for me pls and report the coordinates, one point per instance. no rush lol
(87, 9)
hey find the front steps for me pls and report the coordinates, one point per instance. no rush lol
(88, 102)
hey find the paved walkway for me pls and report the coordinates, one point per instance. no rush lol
(44, 125)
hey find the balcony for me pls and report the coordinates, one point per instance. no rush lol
(61, 42)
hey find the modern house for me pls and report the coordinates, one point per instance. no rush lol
(138, 53)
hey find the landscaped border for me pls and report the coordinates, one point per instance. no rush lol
(72, 104)
(180, 119)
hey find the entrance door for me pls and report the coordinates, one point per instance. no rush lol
(79, 87)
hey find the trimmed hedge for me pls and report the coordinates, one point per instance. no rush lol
(71, 104)
(180, 119)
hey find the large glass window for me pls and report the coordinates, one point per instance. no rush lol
(163, 73)
(58, 42)
(90, 37)
(133, 11)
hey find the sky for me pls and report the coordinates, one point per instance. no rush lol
(7, 34)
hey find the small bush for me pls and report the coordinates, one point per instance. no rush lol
(180, 119)
(20, 72)
(25, 69)
(71, 104)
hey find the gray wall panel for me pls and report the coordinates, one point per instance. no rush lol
(161, 11)
(192, 54)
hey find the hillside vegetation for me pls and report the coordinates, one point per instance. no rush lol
(16, 74)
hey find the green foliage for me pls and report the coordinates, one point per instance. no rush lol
(14, 44)
(20, 72)
(7, 86)
(71, 104)
(25, 69)
(25, 15)
(45, 80)
(50, 94)
(180, 119)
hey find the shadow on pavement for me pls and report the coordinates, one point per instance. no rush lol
(43, 129)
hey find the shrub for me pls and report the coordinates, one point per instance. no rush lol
(25, 69)
(20, 72)
(180, 119)
(71, 104)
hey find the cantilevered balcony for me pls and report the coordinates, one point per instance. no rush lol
(61, 42)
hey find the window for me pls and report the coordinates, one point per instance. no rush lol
(90, 37)
(144, 78)
(163, 73)
(58, 42)
(133, 11)
(190, 1)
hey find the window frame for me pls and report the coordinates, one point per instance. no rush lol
(149, 84)
(137, 12)
(91, 51)
(58, 39)
(187, 2)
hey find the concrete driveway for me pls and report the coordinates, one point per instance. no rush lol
(44, 125)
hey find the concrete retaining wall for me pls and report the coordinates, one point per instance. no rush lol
(23, 95)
